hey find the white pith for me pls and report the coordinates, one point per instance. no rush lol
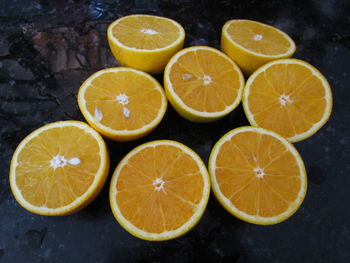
(148, 31)
(61, 161)
(258, 37)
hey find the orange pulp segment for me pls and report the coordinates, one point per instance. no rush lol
(59, 168)
(145, 42)
(288, 96)
(251, 44)
(122, 103)
(203, 84)
(159, 190)
(257, 175)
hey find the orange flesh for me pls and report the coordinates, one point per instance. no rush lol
(129, 32)
(305, 91)
(144, 100)
(237, 178)
(41, 184)
(272, 42)
(187, 76)
(152, 210)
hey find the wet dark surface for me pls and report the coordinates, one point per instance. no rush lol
(48, 48)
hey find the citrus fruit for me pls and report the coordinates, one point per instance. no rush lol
(159, 190)
(59, 168)
(288, 96)
(203, 84)
(252, 44)
(145, 42)
(122, 103)
(257, 175)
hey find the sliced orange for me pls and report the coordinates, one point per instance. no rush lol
(257, 175)
(252, 44)
(145, 42)
(203, 84)
(122, 103)
(59, 168)
(159, 190)
(288, 96)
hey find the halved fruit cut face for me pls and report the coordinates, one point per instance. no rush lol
(288, 96)
(146, 32)
(259, 38)
(252, 44)
(145, 42)
(257, 175)
(203, 84)
(122, 103)
(159, 190)
(59, 168)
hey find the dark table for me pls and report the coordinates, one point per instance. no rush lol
(47, 48)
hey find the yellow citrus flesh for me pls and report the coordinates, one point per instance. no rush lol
(251, 44)
(288, 96)
(122, 103)
(145, 42)
(203, 84)
(159, 191)
(257, 175)
(59, 168)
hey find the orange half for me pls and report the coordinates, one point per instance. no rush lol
(203, 84)
(288, 96)
(145, 42)
(257, 175)
(59, 168)
(251, 44)
(122, 103)
(159, 190)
